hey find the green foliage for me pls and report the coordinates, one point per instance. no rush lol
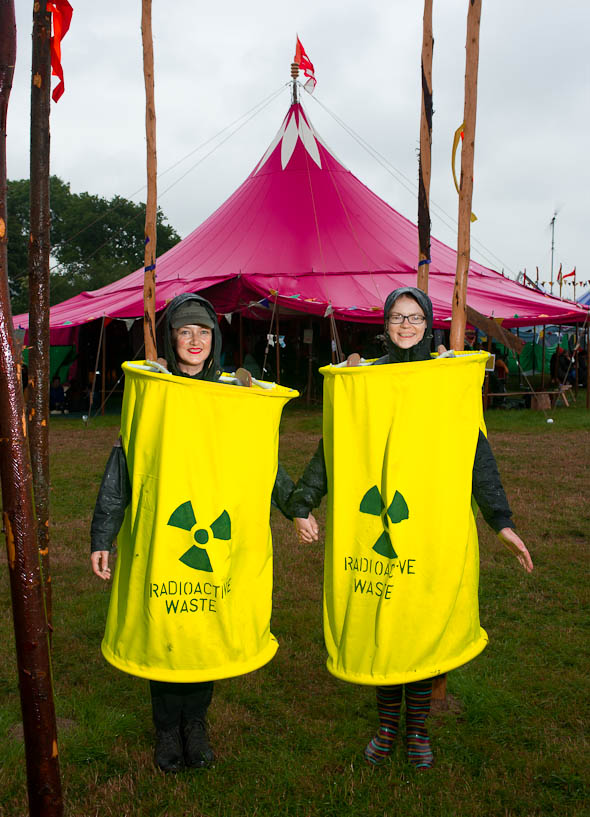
(94, 240)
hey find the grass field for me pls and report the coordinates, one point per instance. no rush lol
(289, 738)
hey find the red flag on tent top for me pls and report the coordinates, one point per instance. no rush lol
(306, 66)
(62, 17)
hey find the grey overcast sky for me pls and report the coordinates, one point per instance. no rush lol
(214, 62)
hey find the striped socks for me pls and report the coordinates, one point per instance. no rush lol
(389, 700)
(418, 697)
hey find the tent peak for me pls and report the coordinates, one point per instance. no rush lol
(297, 128)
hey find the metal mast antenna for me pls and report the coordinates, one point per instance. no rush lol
(552, 245)
(294, 75)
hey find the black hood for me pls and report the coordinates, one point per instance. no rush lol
(212, 368)
(421, 351)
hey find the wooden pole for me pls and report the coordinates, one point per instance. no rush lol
(425, 146)
(39, 249)
(466, 186)
(18, 513)
(149, 280)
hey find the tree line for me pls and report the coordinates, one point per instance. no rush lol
(94, 240)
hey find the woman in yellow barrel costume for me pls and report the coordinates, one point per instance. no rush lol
(408, 329)
(192, 349)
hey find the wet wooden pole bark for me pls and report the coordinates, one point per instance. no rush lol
(425, 146)
(149, 280)
(30, 624)
(466, 186)
(39, 248)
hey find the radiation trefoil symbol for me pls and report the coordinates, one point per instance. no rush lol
(197, 557)
(373, 504)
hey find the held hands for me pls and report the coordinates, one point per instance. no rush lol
(514, 544)
(100, 564)
(307, 529)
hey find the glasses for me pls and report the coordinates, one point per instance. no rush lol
(414, 320)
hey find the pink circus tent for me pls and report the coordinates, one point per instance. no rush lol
(304, 231)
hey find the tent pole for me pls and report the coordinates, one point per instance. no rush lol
(278, 352)
(241, 341)
(103, 371)
(149, 281)
(518, 363)
(19, 520)
(466, 187)
(543, 357)
(309, 364)
(91, 398)
(425, 147)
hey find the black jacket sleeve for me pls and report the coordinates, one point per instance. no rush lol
(487, 487)
(312, 486)
(282, 490)
(113, 497)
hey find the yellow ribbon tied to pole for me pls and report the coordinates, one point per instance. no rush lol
(457, 137)
(402, 562)
(191, 596)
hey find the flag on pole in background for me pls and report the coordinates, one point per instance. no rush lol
(62, 17)
(306, 66)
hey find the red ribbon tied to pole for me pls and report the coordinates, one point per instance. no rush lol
(306, 66)
(62, 17)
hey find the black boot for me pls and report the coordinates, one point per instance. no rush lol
(198, 753)
(168, 755)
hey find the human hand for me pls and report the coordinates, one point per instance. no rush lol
(244, 377)
(441, 349)
(511, 540)
(307, 529)
(100, 564)
(163, 362)
(353, 360)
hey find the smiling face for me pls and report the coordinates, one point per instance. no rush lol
(192, 346)
(406, 334)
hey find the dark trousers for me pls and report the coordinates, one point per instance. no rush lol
(175, 704)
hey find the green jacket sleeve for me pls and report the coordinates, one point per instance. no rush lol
(282, 491)
(487, 487)
(312, 486)
(113, 497)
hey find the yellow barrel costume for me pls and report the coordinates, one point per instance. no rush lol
(191, 597)
(402, 561)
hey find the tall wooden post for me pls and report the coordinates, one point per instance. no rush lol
(18, 517)
(466, 186)
(149, 280)
(425, 146)
(39, 248)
